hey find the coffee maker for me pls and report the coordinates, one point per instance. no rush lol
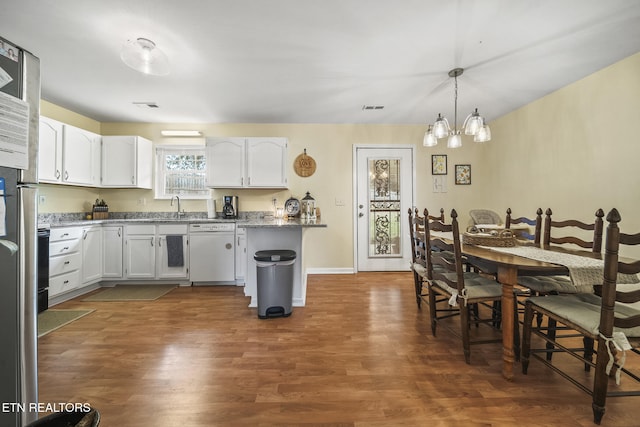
(230, 207)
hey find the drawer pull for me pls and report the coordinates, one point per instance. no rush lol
(66, 248)
(67, 263)
(66, 281)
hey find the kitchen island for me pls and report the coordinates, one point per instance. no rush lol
(277, 234)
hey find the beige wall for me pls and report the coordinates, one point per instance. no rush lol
(575, 150)
(574, 167)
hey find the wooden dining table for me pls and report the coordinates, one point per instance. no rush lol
(507, 268)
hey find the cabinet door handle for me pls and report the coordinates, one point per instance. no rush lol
(119, 232)
(84, 236)
(133, 179)
(66, 175)
(159, 241)
(152, 241)
(242, 181)
(57, 174)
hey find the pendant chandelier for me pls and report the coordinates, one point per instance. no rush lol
(474, 124)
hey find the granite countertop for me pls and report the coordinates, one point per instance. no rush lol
(248, 220)
(278, 223)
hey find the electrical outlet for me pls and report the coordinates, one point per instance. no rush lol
(42, 199)
(142, 201)
(339, 202)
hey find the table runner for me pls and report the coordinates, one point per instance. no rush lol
(584, 271)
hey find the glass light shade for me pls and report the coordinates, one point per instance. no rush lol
(472, 123)
(455, 140)
(441, 127)
(483, 134)
(430, 139)
(143, 55)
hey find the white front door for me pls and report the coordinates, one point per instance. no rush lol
(384, 194)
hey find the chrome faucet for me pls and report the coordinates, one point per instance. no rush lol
(180, 213)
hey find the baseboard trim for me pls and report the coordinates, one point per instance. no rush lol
(330, 271)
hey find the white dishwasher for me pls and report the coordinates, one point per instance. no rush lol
(212, 253)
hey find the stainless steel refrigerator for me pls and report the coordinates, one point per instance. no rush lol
(19, 118)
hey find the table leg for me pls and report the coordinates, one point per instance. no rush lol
(507, 276)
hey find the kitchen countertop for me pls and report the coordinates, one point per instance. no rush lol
(240, 223)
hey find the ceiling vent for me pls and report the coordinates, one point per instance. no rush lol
(372, 107)
(149, 104)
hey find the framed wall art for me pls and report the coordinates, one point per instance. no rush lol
(463, 174)
(438, 164)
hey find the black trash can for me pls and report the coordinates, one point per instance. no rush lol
(274, 282)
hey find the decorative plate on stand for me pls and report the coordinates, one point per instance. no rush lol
(304, 165)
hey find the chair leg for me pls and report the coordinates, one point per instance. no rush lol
(588, 352)
(526, 337)
(516, 328)
(551, 333)
(432, 311)
(464, 325)
(476, 313)
(600, 382)
(496, 314)
(417, 284)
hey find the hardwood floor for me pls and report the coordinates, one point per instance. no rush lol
(359, 354)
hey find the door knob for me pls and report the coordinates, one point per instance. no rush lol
(360, 215)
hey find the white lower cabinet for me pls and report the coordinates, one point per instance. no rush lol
(65, 260)
(147, 252)
(140, 251)
(112, 238)
(91, 254)
(172, 261)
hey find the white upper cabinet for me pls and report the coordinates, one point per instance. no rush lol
(67, 154)
(126, 162)
(267, 162)
(226, 162)
(50, 151)
(254, 162)
(78, 154)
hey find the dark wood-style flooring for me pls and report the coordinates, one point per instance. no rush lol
(359, 354)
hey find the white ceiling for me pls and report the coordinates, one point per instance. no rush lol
(317, 61)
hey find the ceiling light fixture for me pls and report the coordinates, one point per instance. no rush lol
(474, 124)
(181, 133)
(143, 55)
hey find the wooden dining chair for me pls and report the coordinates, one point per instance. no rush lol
(418, 255)
(605, 316)
(565, 233)
(446, 277)
(536, 223)
(552, 227)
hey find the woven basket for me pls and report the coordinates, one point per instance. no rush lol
(504, 239)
